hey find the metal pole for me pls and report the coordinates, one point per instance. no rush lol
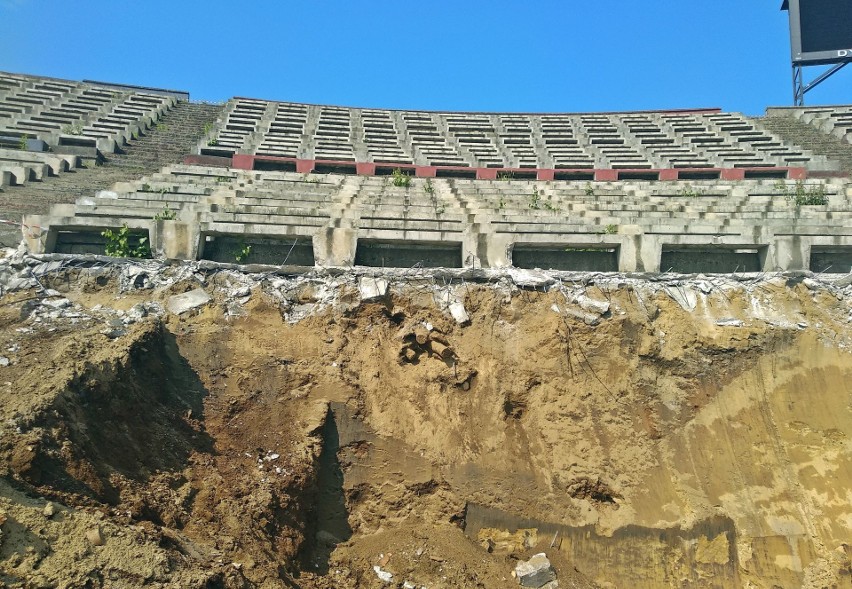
(800, 88)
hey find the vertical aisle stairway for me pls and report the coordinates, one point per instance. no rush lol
(167, 142)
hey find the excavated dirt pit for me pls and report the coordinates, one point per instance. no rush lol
(319, 432)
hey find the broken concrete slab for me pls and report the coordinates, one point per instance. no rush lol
(593, 306)
(683, 296)
(179, 304)
(459, 313)
(535, 572)
(530, 278)
(372, 288)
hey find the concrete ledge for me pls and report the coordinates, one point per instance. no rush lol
(271, 163)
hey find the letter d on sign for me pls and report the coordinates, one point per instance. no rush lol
(843, 53)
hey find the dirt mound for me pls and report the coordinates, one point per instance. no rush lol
(691, 433)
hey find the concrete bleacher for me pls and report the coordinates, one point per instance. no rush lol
(831, 120)
(658, 144)
(17, 167)
(75, 117)
(341, 220)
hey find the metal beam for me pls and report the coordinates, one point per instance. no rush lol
(800, 88)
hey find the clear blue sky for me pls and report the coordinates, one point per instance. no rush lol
(495, 55)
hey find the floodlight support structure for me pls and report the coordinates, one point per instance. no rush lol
(799, 86)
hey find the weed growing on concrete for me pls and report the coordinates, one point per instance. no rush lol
(802, 195)
(688, 191)
(118, 244)
(145, 187)
(134, 135)
(163, 127)
(429, 188)
(165, 215)
(590, 190)
(611, 229)
(22, 142)
(400, 178)
(505, 176)
(242, 254)
(502, 204)
(73, 129)
(535, 199)
(222, 179)
(550, 206)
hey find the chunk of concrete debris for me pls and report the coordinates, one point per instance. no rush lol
(730, 322)
(683, 296)
(4, 361)
(179, 304)
(136, 313)
(587, 318)
(58, 303)
(372, 288)
(592, 306)
(383, 575)
(536, 572)
(530, 278)
(49, 510)
(459, 313)
(95, 536)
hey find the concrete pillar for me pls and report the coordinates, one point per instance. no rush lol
(650, 253)
(36, 238)
(335, 246)
(497, 248)
(790, 253)
(177, 240)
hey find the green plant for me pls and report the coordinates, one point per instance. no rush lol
(163, 127)
(134, 135)
(550, 206)
(400, 178)
(242, 254)
(146, 187)
(222, 179)
(535, 199)
(118, 244)
(429, 188)
(73, 129)
(505, 176)
(611, 229)
(22, 142)
(212, 142)
(502, 204)
(590, 190)
(688, 191)
(165, 215)
(803, 195)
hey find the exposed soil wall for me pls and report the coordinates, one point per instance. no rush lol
(298, 432)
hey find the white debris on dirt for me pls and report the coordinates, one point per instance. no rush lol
(179, 304)
(537, 572)
(383, 575)
(371, 288)
(304, 295)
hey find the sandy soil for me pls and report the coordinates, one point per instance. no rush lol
(291, 434)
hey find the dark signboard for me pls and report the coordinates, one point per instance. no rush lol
(820, 31)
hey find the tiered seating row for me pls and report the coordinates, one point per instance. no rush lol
(706, 139)
(340, 220)
(18, 167)
(67, 115)
(832, 120)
